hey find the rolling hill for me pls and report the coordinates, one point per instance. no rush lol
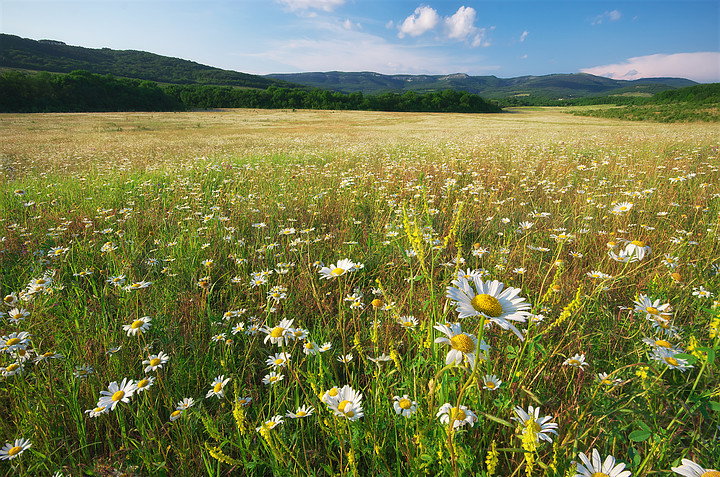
(555, 86)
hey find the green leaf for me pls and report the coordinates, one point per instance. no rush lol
(715, 406)
(640, 435)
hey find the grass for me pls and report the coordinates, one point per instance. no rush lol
(228, 214)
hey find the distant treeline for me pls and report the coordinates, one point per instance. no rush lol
(84, 91)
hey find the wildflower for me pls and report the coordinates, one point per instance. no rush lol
(460, 416)
(380, 359)
(15, 341)
(278, 360)
(600, 275)
(137, 285)
(668, 356)
(279, 335)
(691, 469)
(145, 383)
(604, 380)
(491, 301)
(637, 249)
(542, 427)
(142, 324)
(302, 411)
(117, 393)
(652, 309)
(204, 283)
(598, 468)
(462, 345)
(310, 348)
(11, 299)
(239, 327)
(16, 315)
(404, 406)
(491, 382)
(670, 261)
(176, 414)
(701, 292)
(407, 322)
(272, 378)
(46, 356)
(577, 361)
(12, 450)
(622, 207)
(345, 358)
(271, 423)
(243, 401)
(97, 411)
(118, 280)
(218, 387)
(12, 369)
(343, 266)
(345, 402)
(325, 347)
(81, 372)
(155, 361)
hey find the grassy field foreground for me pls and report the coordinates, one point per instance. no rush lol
(322, 293)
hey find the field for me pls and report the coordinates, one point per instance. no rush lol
(243, 292)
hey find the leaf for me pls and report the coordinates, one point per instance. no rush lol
(640, 435)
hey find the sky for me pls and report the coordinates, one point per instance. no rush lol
(628, 39)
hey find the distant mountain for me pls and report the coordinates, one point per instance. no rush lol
(556, 86)
(57, 57)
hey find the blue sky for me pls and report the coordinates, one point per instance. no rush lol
(506, 38)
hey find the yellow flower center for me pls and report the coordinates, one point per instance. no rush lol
(457, 414)
(217, 388)
(47, 354)
(142, 383)
(12, 367)
(333, 392)
(155, 361)
(638, 243)
(405, 403)
(671, 361)
(676, 276)
(652, 310)
(273, 379)
(279, 361)
(663, 344)
(663, 324)
(336, 272)
(599, 474)
(118, 395)
(309, 346)
(487, 305)
(711, 473)
(40, 281)
(408, 324)
(277, 332)
(462, 342)
(301, 414)
(176, 413)
(137, 324)
(574, 362)
(343, 405)
(350, 414)
(535, 425)
(606, 382)
(376, 303)
(13, 341)
(14, 451)
(490, 385)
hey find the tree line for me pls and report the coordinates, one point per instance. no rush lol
(84, 91)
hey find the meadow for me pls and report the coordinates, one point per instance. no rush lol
(257, 292)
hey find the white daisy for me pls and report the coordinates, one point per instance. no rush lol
(345, 402)
(462, 345)
(404, 406)
(12, 450)
(337, 270)
(117, 393)
(218, 387)
(541, 425)
(459, 415)
(597, 468)
(691, 469)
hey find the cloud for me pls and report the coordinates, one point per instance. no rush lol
(524, 35)
(422, 20)
(462, 24)
(325, 5)
(703, 67)
(348, 25)
(613, 16)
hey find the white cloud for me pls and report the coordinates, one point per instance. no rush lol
(325, 5)
(524, 35)
(613, 16)
(422, 20)
(462, 24)
(703, 67)
(348, 25)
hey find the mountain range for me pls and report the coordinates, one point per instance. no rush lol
(54, 56)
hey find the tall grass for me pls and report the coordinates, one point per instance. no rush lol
(234, 228)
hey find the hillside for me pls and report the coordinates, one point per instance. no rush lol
(553, 87)
(57, 57)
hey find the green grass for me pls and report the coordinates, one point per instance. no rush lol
(413, 198)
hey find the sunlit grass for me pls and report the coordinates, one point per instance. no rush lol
(279, 286)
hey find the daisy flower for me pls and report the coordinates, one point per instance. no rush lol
(668, 356)
(337, 270)
(325, 347)
(12, 450)
(137, 285)
(141, 324)
(176, 414)
(622, 207)
(488, 299)
(701, 292)
(156, 361)
(407, 322)
(653, 309)
(598, 274)
(273, 378)
(186, 403)
(459, 415)
(491, 382)
(12, 369)
(310, 347)
(691, 469)
(145, 383)
(81, 372)
(279, 335)
(637, 249)
(604, 380)
(98, 411)
(16, 315)
(404, 406)
(345, 358)
(542, 426)
(11, 299)
(15, 341)
(596, 467)
(660, 343)
(577, 361)
(243, 401)
(271, 423)
(278, 360)
(117, 393)
(218, 387)
(345, 402)
(302, 411)
(462, 345)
